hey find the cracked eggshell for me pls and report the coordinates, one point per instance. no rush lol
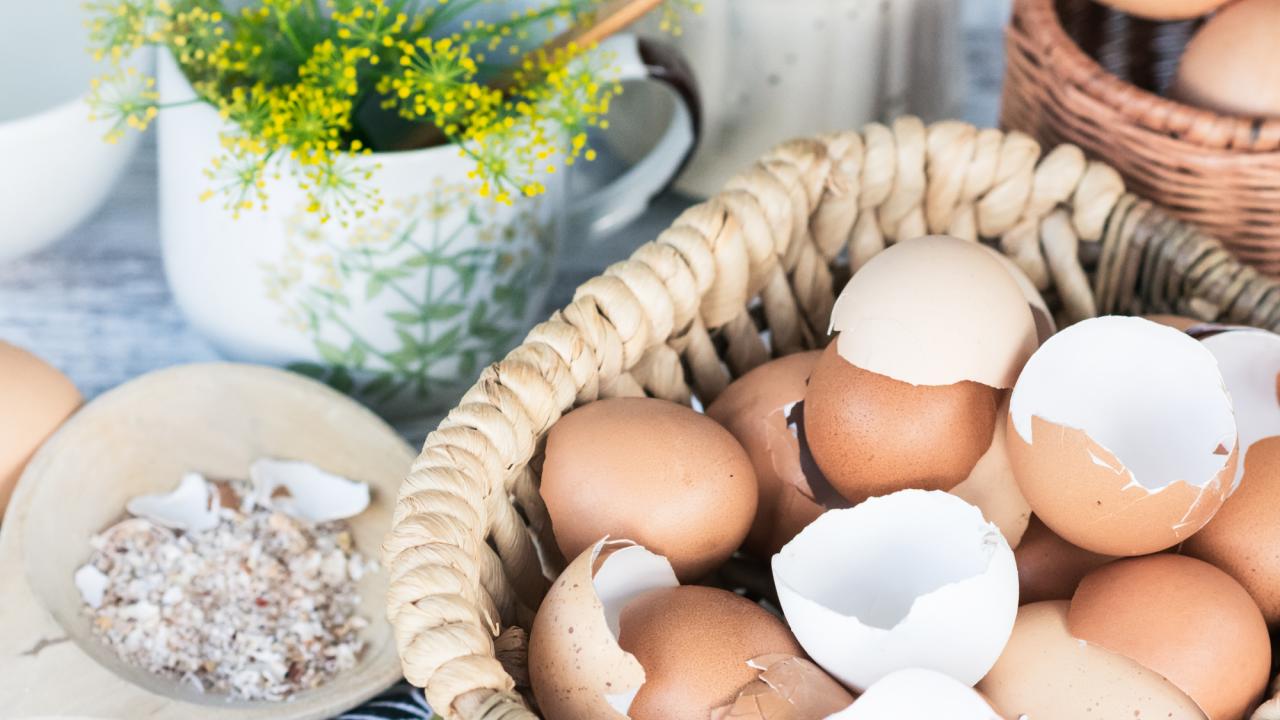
(304, 491)
(1050, 568)
(759, 409)
(1121, 435)
(992, 488)
(1046, 674)
(918, 694)
(192, 506)
(1242, 537)
(935, 310)
(695, 645)
(788, 688)
(92, 584)
(872, 435)
(577, 669)
(912, 579)
(1184, 619)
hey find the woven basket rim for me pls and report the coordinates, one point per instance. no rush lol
(1040, 20)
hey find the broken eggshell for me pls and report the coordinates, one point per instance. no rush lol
(762, 409)
(1046, 674)
(1242, 537)
(992, 488)
(577, 669)
(788, 688)
(303, 491)
(1045, 325)
(192, 506)
(935, 310)
(918, 694)
(92, 584)
(1184, 619)
(922, 580)
(1122, 436)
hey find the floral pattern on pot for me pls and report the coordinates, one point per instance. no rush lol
(459, 279)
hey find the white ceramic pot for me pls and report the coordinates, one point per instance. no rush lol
(403, 307)
(768, 70)
(55, 167)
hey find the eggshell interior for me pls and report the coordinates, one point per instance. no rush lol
(1122, 435)
(1184, 619)
(1249, 361)
(992, 487)
(935, 310)
(918, 694)
(1046, 674)
(869, 590)
(576, 667)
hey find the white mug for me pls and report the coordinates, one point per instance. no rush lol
(55, 168)
(770, 70)
(404, 307)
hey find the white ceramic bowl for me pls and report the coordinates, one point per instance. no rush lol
(55, 167)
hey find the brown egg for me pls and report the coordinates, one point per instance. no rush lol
(1232, 64)
(1177, 322)
(650, 471)
(1184, 619)
(1050, 568)
(1046, 674)
(760, 410)
(695, 644)
(872, 435)
(1166, 9)
(34, 400)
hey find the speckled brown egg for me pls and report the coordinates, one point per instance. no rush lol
(762, 411)
(872, 435)
(653, 472)
(694, 644)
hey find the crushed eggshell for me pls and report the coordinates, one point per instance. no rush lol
(305, 492)
(576, 666)
(1122, 436)
(192, 506)
(918, 694)
(935, 310)
(92, 584)
(869, 590)
(788, 688)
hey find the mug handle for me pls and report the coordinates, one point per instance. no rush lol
(627, 197)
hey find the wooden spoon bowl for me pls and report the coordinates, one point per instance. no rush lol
(140, 438)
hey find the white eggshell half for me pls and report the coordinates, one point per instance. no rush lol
(918, 694)
(1250, 365)
(935, 310)
(193, 505)
(916, 579)
(1149, 394)
(312, 494)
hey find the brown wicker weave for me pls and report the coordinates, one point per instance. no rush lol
(684, 315)
(1080, 73)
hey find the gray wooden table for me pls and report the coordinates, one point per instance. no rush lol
(96, 304)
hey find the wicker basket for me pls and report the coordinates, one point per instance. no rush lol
(1081, 73)
(685, 315)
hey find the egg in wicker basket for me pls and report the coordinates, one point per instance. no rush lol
(750, 275)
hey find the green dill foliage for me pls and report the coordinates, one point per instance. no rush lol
(308, 86)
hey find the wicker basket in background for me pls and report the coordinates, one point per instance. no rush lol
(1081, 73)
(686, 314)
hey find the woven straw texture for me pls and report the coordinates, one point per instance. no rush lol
(1080, 73)
(685, 315)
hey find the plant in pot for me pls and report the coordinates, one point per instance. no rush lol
(371, 191)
